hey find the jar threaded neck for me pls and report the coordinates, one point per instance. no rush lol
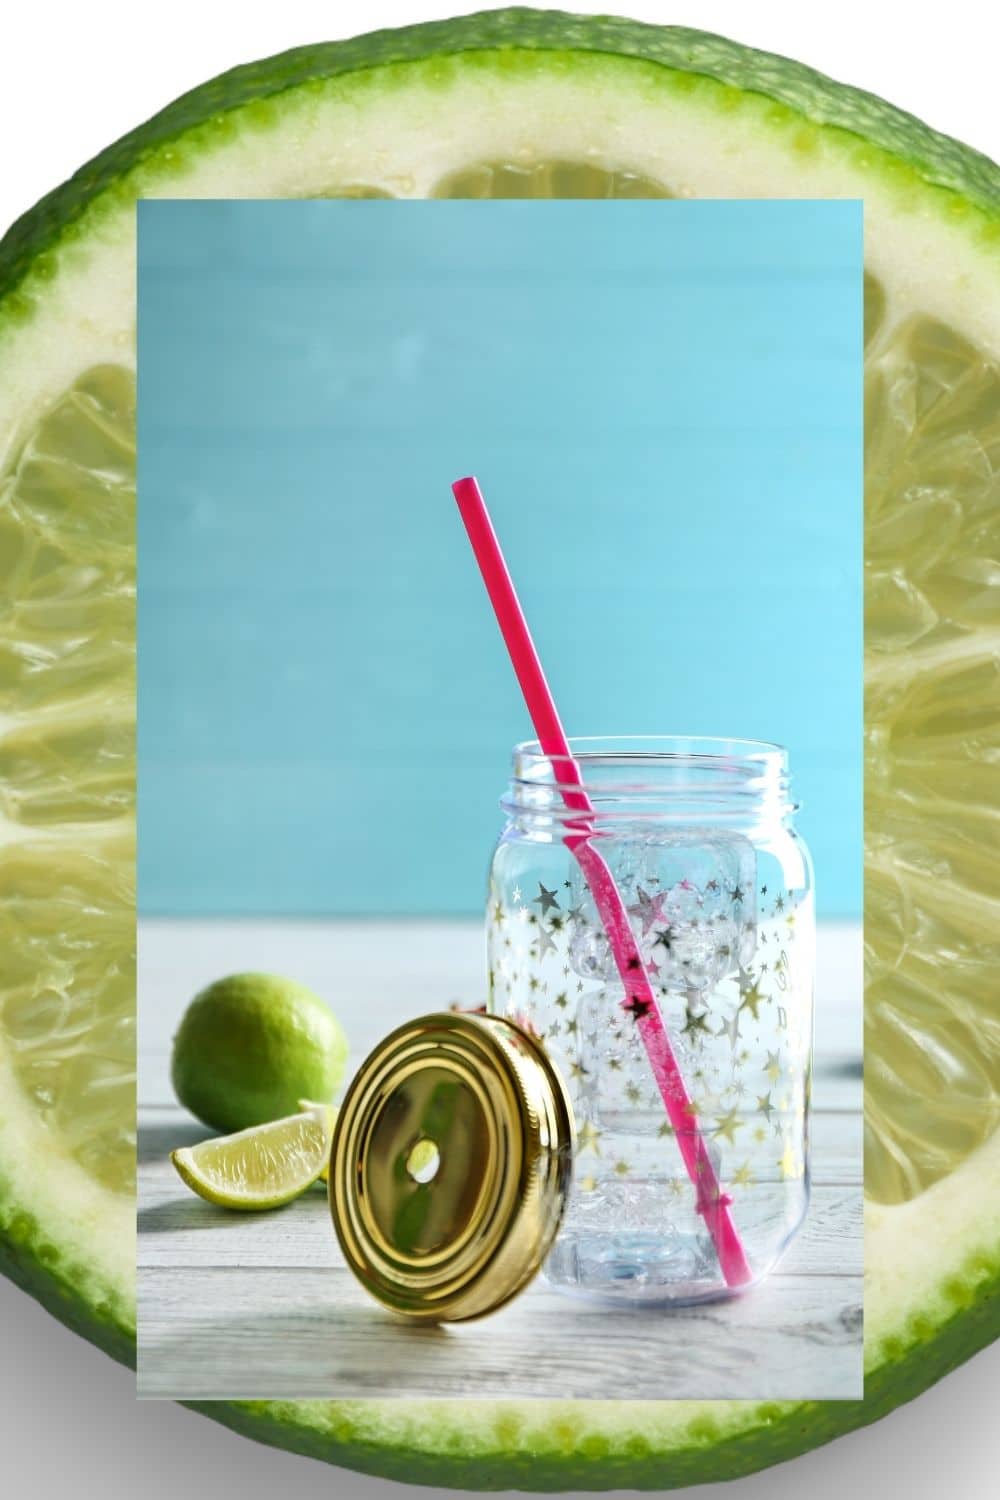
(654, 778)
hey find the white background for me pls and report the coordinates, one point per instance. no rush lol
(75, 77)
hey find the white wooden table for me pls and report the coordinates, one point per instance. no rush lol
(262, 1305)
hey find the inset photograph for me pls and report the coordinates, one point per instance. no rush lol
(500, 799)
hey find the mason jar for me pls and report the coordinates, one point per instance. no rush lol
(699, 836)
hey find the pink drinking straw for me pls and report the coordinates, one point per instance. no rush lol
(640, 1002)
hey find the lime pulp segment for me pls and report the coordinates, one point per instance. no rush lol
(67, 654)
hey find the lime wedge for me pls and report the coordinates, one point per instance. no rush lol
(264, 1167)
(522, 103)
(332, 1112)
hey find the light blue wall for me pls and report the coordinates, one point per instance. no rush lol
(663, 403)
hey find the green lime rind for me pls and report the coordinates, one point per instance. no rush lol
(64, 1288)
(558, 1447)
(551, 1446)
(137, 159)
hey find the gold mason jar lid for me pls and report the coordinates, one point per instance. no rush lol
(451, 1162)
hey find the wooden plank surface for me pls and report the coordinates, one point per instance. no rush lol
(262, 1305)
(300, 1333)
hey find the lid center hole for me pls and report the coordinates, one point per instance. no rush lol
(423, 1161)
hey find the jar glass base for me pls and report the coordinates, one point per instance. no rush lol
(637, 1268)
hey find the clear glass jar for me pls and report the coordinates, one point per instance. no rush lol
(698, 835)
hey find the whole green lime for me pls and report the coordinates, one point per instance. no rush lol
(251, 1046)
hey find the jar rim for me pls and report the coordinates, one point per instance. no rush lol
(645, 774)
(656, 748)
